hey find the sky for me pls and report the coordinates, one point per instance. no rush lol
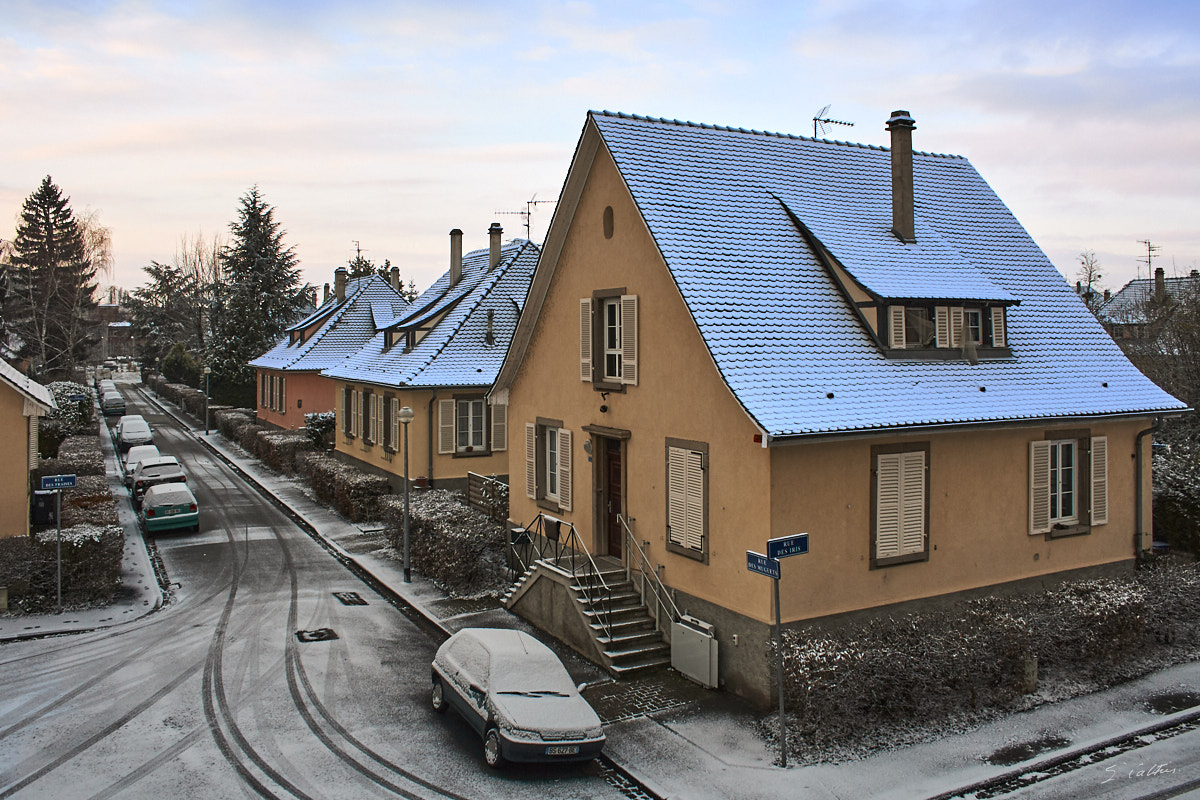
(384, 125)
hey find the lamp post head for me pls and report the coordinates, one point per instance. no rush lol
(207, 370)
(405, 415)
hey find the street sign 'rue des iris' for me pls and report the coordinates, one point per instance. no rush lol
(784, 546)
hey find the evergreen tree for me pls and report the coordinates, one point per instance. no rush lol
(261, 296)
(160, 311)
(51, 285)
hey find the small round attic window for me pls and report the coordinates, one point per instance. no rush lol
(608, 222)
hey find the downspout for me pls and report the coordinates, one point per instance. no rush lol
(1139, 500)
(432, 400)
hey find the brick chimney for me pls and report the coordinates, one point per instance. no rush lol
(494, 234)
(901, 126)
(325, 296)
(339, 283)
(455, 256)
(1160, 284)
(394, 278)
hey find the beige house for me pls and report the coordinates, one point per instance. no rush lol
(734, 336)
(22, 403)
(439, 359)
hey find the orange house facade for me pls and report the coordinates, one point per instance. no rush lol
(22, 403)
(735, 336)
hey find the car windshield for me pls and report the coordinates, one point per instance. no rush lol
(533, 675)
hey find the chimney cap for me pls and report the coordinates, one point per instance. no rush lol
(901, 119)
(495, 226)
(456, 232)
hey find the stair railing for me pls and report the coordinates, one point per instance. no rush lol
(544, 539)
(649, 585)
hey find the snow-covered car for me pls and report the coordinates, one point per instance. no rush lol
(517, 695)
(132, 430)
(169, 506)
(134, 456)
(112, 404)
(153, 471)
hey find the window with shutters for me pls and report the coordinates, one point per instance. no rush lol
(608, 339)
(687, 498)
(935, 331)
(1068, 483)
(899, 504)
(548, 478)
(347, 411)
(262, 389)
(463, 426)
(368, 418)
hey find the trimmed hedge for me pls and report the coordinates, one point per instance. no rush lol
(354, 493)
(279, 449)
(91, 567)
(455, 546)
(80, 455)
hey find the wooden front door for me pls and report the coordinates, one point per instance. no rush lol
(611, 496)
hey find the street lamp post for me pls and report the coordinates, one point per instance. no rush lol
(207, 372)
(406, 416)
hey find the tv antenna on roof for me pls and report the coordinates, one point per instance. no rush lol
(1151, 249)
(527, 214)
(822, 122)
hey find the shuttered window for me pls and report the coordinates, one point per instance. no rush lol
(896, 326)
(585, 339)
(499, 427)
(33, 442)
(999, 334)
(687, 498)
(1099, 493)
(548, 473)
(1068, 484)
(900, 506)
(445, 426)
(608, 339)
(370, 436)
(531, 460)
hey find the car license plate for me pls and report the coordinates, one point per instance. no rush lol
(172, 512)
(563, 750)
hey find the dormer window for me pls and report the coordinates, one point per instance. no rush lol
(921, 330)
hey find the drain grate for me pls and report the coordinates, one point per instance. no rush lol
(318, 635)
(350, 598)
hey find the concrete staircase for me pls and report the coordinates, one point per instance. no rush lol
(616, 624)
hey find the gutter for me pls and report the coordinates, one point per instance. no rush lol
(432, 399)
(1139, 500)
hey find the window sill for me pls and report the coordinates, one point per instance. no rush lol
(687, 552)
(946, 353)
(1063, 531)
(876, 563)
(548, 505)
(472, 454)
(606, 386)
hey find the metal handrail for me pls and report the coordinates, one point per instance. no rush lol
(663, 602)
(543, 541)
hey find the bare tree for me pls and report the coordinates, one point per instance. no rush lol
(1089, 277)
(97, 243)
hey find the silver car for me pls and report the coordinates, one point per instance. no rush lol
(517, 695)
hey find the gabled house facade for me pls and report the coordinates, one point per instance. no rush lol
(22, 403)
(439, 360)
(734, 336)
(290, 384)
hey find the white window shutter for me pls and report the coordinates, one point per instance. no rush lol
(395, 423)
(998, 332)
(564, 469)
(912, 502)
(1099, 504)
(445, 426)
(941, 318)
(355, 415)
(695, 500)
(896, 327)
(33, 442)
(499, 427)
(677, 495)
(530, 460)
(1039, 487)
(372, 418)
(956, 326)
(283, 394)
(887, 505)
(585, 339)
(629, 339)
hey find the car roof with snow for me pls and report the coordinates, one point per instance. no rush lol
(168, 493)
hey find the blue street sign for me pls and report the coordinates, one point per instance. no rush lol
(784, 546)
(757, 562)
(58, 481)
(76, 398)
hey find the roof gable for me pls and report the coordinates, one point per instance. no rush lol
(38, 399)
(728, 209)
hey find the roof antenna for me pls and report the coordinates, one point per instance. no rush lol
(1151, 249)
(527, 214)
(822, 122)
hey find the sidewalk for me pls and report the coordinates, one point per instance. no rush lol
(683, 741)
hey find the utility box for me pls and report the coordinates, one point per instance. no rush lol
(694, 650)
(43, 511)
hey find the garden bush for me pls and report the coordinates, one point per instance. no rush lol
(77, 455)
(455, 546)
(320, 427)
(354, 493)
(74, 417)
(278, 449)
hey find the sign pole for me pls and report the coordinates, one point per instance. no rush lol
(779, 673)
(58, 521)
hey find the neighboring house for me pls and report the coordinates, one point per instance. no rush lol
(22, 402)
(290, 383)
(440, 361)
(1142, 305)
(734, 336)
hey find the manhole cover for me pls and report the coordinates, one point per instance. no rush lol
(319, 635)
(1173, 702)
(350, 598)
(1023, 751)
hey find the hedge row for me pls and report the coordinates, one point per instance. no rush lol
(455, 546)
(354, 493)
(893, 672)
(79, 455)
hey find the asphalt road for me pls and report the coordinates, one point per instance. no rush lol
(216, 696)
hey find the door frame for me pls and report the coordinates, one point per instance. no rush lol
(602, 437)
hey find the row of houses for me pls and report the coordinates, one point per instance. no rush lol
(731, 336)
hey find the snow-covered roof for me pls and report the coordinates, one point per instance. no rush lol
(1130, 305)
(340, 327)
(456, 351)
(33, 392)
(728, 209)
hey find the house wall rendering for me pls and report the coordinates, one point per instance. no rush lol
(285, 402)
(14, 463)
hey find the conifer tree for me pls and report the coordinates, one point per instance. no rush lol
(51, 285)
(261, 295)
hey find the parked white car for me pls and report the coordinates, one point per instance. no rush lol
(135, 456)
